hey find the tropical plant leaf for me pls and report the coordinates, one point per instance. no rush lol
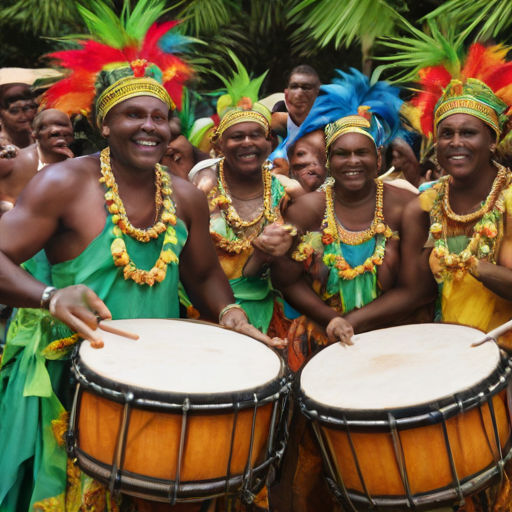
(342, 22)
(439, 43)
(44, 17)
(493, 17)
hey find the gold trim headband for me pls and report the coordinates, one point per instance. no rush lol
(126, 88)
(240, 116)
(470, 106)
(349, 124)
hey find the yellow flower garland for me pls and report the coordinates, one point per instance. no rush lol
(123, 226)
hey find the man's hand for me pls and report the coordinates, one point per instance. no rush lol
(340, 330)
(236, 320)
(276, 239)
(78, 308)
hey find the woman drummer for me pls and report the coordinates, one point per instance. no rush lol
(457, 242)
(348, 254)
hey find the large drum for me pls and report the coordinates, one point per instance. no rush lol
(411, 416)
(188, 411)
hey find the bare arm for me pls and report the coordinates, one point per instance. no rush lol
(416, 285)
(200, 270)
(24, 231)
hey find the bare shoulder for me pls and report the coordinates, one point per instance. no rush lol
(189, 199)
(307, 211)
(62, 180)
(399, 195)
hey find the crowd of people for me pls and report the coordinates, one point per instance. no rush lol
(298, 219)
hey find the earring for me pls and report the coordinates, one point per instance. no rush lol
(493, 148)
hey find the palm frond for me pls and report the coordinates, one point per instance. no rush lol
(421, 49)
(492, 16)
(344, 22)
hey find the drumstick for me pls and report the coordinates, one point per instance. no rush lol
(105, 326)
(495, 334)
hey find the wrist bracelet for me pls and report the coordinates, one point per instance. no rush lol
(46, 297)
(228, 308)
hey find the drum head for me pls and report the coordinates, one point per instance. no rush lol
(399, 367)
(176, 356)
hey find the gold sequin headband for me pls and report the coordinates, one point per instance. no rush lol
(126, 88)
(240, 116)
(470, 106)
(349, 124)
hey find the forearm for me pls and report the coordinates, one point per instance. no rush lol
(302, 298)
(496, 278)
(388, 309)
(17, 287)
(209, 293)
(257, 260)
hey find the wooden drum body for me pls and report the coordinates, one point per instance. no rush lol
(411, 416)
(188, 411)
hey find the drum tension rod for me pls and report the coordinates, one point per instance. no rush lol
(400, 458)
(117, 466)
(247, 493)
(174, 492)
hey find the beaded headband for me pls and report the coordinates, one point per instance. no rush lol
(233, 117)
(349, 124)
(126, 88)
(470, 106)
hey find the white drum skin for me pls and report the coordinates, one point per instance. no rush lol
(182, 357)
(399, 367)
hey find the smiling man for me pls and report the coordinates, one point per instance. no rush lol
(113, 235)
(459, 231)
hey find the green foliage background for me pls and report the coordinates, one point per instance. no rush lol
(265, 34)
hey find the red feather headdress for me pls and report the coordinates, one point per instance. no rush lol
(118, 49)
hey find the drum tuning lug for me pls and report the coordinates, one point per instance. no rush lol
(129, 396)
(186, 405)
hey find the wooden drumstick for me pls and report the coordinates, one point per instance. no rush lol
(495, 334)
(105, 326)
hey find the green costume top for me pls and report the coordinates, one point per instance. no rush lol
(233, 246)
(34, 378)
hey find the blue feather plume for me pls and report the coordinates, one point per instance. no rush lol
(174, 42)
(343, 98)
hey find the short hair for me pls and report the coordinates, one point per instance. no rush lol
(304, 69)
(6, 99)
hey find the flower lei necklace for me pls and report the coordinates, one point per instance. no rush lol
(224, 202)
(122, 226)
(487, 232)
(333, 234)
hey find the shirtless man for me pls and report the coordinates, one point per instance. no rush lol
(53, 133)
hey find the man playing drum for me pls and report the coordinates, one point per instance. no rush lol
(118, 234)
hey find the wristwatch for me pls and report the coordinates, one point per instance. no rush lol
(46, 297)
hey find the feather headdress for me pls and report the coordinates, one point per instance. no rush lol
(240, 104)
(351, 103)
(131, 47)
(477, 82)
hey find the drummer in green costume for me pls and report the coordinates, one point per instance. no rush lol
(113, 236)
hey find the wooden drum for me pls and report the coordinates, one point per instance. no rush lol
(187, 412)
(410, 416)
